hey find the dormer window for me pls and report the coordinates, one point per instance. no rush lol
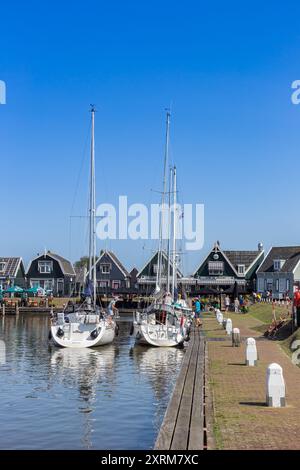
(241, 269)
(278, 264)
(2, 267)
(45, 267)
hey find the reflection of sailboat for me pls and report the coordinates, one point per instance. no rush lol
(158, 365)
(78, 362)
(86, 327)
(165, 322)
(86, 369)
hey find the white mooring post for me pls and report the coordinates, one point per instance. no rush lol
(228, 326)
(220, 318)
(251, 352)
(275, 386)
(236, 337)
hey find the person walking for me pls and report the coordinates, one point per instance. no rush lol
(227, 303)
(198, 321)
(236, 305)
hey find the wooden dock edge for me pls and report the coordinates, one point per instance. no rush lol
(185, 423)
(209, 414)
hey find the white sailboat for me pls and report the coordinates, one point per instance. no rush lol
(166, 321)
(88, 326)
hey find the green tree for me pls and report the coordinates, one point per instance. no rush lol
(84, 261)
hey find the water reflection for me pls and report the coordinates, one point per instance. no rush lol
(85, 369)
(113, 397)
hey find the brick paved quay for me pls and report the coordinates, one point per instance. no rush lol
(241, 418)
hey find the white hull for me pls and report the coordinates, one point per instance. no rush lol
(147, 330)
(80, 335)
(157, 335)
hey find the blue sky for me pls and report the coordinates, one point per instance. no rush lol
(227, 69)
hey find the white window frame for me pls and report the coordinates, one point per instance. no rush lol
(62, 282)
(113, 284)
(35, 283)
(103, 284)
(44, 264)
(260, 284)
(213, 270)
(282, 285)
(278, 263)
(105, 265)
(241, 269)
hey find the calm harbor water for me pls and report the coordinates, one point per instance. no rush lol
(112, 397)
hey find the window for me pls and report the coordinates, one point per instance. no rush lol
(103, 284)
(241, 268)
(105, 268)
(282, 285)
(60, 286)
(163, 268)
(278, 263)
(35, 284)
(116, 284)
(215, 268)
(277, 285)
(287, 285)
(48, 284)
(260, 284)
(2, 267)
(45, 267)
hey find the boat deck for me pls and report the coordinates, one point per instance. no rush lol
(184, 426)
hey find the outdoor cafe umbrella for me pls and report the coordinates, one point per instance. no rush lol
(13, 290)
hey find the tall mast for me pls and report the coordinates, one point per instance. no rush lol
(92, 241)
(159, 264)
(174, 254)
(169, 230)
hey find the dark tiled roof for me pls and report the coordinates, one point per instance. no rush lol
(11, 266)
(66, 265)
(242, 257)
(291, 255)
(133, 274)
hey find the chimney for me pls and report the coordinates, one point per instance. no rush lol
(260, 247)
